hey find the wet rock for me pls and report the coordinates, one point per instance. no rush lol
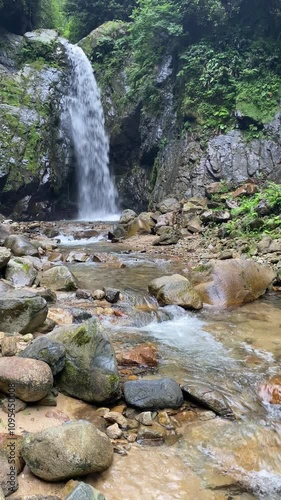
(127, 216)
(20, 272)
(210, 399)
(83, 294)
(169, 205)
(90, 371)
(88, 233)
(47, 294)
(9, 346)
(175, 290)
(20, 246)
(235, 282)
(5, 255)
(152, 435)
(47, 350)
(270, 391)
(77, 257)
(49, 454)
(113, 432)
(55, 257)
(60, 316)
(16, 406)
(59, 278)
(153, 394)
(32, 379)
(143, 355)
(112, 295)
(83, 491)
(22, 311)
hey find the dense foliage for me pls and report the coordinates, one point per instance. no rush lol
(86, 15)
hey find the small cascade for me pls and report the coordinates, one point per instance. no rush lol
(83, 114)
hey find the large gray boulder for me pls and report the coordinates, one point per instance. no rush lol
(175, 290)
(21, 311)
(6, 476)
(20, 245)
(90, 371)
(59, 278)
(153, 394)
(47, 350)
(20, 272)
(70, 450)
(31, 379)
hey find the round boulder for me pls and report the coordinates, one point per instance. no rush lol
(175, 290)
(59, 278)
(20, 245)
(70, 450)
(20, 272)
(29, 380)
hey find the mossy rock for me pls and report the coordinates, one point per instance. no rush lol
(90, 371)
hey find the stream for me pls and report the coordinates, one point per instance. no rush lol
(234, 351)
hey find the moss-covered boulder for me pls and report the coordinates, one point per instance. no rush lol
(34, 157)
(21, 311)
(20, 272)
(90, 371)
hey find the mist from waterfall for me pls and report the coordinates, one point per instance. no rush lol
(83, 115)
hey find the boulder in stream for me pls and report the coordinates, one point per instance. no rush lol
(209, 398)
(175, 290)
(5, 255)
(21, 311)
(70, 450)
(59, 278)
(153, 394)
(235, 282)
(90, 371)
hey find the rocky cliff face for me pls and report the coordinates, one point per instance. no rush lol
(152, 154)
(35, 158)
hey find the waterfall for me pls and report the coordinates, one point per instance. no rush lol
(84, 118)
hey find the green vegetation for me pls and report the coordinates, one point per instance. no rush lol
(256, 215)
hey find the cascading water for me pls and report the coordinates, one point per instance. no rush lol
(83, 113)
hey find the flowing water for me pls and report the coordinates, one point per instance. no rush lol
(83, 113)
(233, 351)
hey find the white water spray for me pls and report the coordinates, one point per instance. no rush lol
(84, 114)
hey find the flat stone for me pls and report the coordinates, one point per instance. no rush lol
(153, 394)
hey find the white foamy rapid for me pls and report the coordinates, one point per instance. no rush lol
(83, 114)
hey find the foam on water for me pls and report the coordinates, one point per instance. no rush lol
(70, 241)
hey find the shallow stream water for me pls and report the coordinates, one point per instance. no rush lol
(234, 351)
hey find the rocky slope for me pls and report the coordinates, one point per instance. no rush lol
(152, 153)
(35, 157)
